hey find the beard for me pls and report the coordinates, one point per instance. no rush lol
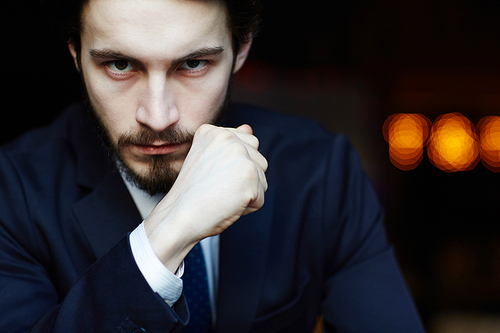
(160, 176)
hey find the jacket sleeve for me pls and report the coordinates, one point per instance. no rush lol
(110, 296)
(364, 288)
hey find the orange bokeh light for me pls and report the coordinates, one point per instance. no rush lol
(407, 135)
(489, 133)
(453, 143)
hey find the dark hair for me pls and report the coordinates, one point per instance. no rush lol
(244, 19)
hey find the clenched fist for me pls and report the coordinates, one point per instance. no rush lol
(222, 178)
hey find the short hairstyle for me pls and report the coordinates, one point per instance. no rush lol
(244, 19)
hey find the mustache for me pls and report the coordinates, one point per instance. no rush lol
(147, 136)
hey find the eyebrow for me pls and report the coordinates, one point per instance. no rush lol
(203, 52)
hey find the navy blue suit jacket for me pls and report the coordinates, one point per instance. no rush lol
(317, 247)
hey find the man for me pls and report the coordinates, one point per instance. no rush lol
(74, 255)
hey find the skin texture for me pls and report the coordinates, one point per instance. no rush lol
(161, 66)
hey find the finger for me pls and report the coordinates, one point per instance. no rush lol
(244, 133)
(258, 159)
(263, 180)
(252, 147)
(259, 200)
(245, 128)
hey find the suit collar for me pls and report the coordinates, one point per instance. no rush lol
(243, 258)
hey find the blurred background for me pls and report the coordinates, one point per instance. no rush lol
(350, 65)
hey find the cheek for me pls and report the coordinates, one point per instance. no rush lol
(202, 110)
(109, 106)
(200, 104)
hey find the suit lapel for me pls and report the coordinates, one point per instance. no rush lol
(243, 257)
(107, 213)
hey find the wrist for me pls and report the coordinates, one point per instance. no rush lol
(169, 242)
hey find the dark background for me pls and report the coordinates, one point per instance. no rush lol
(348, 64)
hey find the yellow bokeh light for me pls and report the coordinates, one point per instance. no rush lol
(453, 143)
(489, 133)
(406, 135)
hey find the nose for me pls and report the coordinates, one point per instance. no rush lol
(157, 106)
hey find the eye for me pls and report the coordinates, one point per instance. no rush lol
(120, 66)
(194, 65)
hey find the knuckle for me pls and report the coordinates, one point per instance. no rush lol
(248, 170)
(204, 129)
(265, 184)
(254, 142)
(265, 163)
(237, 148)
(227, 134)
(222, 135)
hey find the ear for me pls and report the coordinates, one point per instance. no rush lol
(74, 54)
(242, 55)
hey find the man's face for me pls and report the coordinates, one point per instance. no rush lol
(154, 71)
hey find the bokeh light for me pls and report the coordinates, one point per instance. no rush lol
(407, 135)
(488, 129)
(453, 144)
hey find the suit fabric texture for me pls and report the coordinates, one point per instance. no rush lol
(316, 247)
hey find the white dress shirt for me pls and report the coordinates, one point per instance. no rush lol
(167, 284)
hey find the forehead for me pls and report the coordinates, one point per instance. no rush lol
(154, 25)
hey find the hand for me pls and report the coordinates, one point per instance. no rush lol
(222, 178)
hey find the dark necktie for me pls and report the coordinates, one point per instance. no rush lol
(195, 287)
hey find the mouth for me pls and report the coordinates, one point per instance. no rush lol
(160, 148)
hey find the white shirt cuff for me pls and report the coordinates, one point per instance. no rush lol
(167, 284)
